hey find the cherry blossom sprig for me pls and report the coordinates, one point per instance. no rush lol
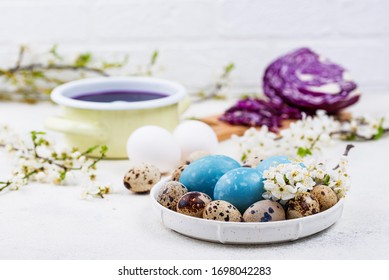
(336, 178)
(32, 79)
(308, 136)
(285, 181)
(221, 84)
(38, 160)
(362, 128)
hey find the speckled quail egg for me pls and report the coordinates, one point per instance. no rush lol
(141, 178)
(304, 204)
(221, 210)
(170, 193)
(252, 162)
(193, 204)
(325, 195)
(264, 211)
(177, 172)
(196, 155)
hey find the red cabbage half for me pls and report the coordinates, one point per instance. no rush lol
(300, 81)
(258, 112)
(304, 80)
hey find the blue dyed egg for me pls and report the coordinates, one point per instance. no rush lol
(203, 174)
(241, 187)
(271, 162)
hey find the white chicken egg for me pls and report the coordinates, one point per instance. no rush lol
(195, 136)
(154, 145)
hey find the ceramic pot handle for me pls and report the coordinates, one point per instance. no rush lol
(75, 127)
(184, 104)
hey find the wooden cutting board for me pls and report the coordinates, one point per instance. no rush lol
(224, 130)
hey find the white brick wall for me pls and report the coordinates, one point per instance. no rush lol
(197, 37)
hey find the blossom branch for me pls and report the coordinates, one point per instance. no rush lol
(347, 150)
(351, 135)
(20, 57)
(345, 153)
(34, 165)
(41, 67)
(34, 81)
(308, 135)
(221, 83)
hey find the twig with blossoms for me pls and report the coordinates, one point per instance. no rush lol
(285, 181)
(40, 161)
(308, 136)
(30, 80)
(363, 128)
(220, 85)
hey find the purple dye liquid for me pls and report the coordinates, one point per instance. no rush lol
(119, 95)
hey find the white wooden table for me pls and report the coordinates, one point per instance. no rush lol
(43, 221)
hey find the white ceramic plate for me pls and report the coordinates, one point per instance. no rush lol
(244, 233)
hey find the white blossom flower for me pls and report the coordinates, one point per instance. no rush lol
(37, 159)
(285, 181)
(75, 155)
(367, 126)
(17, 182)
(9, 147)
(341, 186)
(81, 160)
(306, 136)
(41, 177)
(338, 179)
(96, 189)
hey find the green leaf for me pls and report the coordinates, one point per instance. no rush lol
(351, 137)
(107, 65)
(201, 94)
(53, 49)
(302, 152)
(286, 179)
(37, 74)
(244, 96)
(103, 149)
(248, 95)
(380, 131)
(91, 149)
(219, 97)
(229, 68)
(40, 141)
(83, 59)
(326, 179)
(34, 134)
(55, 53)
(154, 57)
(62, 175)
(244, 157)
(193, 118)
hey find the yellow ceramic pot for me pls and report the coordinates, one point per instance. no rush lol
(87, 123)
